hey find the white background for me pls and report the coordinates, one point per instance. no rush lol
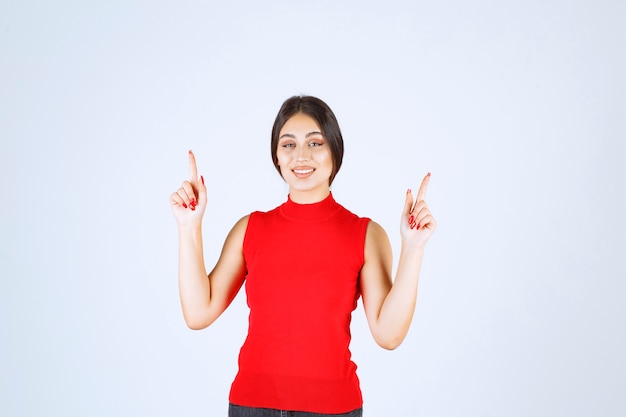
(517, 108)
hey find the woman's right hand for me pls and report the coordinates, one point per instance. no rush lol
(189, 201)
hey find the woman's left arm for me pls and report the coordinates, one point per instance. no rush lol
(389, 306)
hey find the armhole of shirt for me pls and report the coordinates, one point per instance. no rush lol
(364, 223)
(247, 235)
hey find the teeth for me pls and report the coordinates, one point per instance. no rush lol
(302, 171)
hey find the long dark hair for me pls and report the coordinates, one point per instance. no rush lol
(325, 118)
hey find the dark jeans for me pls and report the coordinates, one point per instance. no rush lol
(239, 411)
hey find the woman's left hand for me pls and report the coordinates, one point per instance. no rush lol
(417, 224)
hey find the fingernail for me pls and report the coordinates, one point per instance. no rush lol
(408, 191)
(190, 152)
(428, 173)
(193, 202)
(411, 219)
(184, 205)
(418, 226)
(193, 208)
(202, 178)
(412, 226)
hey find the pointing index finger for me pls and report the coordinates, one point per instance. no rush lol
(193, 170)
(421, 194)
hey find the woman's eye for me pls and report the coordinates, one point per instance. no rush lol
(288, 145)
(315, 144)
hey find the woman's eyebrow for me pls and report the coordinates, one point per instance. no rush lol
(292, 136)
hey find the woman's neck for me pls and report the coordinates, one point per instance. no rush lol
(309, 196)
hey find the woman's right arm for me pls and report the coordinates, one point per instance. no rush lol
(204, 297)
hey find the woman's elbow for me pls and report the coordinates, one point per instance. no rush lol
(389, 342)
(197, 322)
(193, 325)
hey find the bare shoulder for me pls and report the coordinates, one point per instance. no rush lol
(376, 234)
(238, 232)
(377, 243)
(242, 223)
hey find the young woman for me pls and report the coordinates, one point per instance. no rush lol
(304, 264)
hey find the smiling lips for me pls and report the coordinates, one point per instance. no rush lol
(302, 172)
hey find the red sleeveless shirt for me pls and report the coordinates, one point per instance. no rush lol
(303, 263)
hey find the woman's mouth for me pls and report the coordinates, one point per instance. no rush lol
(302, 172)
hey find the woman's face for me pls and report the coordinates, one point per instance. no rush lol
(304, 159)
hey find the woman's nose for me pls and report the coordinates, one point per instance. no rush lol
(303, 153)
